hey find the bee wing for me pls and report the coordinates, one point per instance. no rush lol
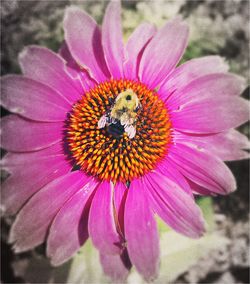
(102, 121)
(130, 130)
(123, 120)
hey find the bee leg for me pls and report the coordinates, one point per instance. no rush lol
(102, 121)
(130, 130)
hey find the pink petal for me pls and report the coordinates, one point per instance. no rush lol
(112, 39)
(71, 68)
(120, 194)
(167, 169)
(163, 53)
(31, 135)
(69, 230)
(212, 86)
(47, 67)
(175, 206)
(115, 266)
(135, 45)
(192, 70)
(32, 99)
(83, 38)
(32, 223)
(200, 190)
(141, 231)
(82, 77)
(19, 159)
(227, 145)
(102, 229)
(29, 173)
(203, 168)
(211, 115)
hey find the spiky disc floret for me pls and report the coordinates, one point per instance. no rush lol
(99, 153)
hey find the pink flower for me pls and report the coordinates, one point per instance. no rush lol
(85, 163)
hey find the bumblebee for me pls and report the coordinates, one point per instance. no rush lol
(122, 115)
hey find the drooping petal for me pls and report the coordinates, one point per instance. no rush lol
(120, 193)
(116, 266)
(29, 173)
(141, 231)
(192, 70)
(45, 66)
(203, 168)
(85, 82)
(112, 39)
(32, 99)
(208, 87)
(32, 222)
(168, 169)
(69, 229)
(20, 159)
(228, 145)
(134, 47)
(200, 190)
(83, 38)
(102, 228)
(174, 205)
(211, 115)
(20, 135)
(163, 53)
(71, 68)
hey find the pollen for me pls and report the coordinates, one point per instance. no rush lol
(108, 156)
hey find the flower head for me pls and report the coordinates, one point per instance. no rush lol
(104, 136)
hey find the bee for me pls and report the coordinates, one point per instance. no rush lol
(122, 115)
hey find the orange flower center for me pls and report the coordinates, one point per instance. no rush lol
(118, 131)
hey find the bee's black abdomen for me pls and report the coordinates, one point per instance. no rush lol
(115, 129)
